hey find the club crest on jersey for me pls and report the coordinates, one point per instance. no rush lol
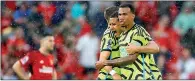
(41, 62)
(109, 44)
(24, 60)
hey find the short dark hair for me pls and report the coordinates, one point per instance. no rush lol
(109, 11)
(114, 15)
(132, 9)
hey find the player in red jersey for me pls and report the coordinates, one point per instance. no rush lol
(41, 62)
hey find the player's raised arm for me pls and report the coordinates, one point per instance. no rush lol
(17, 67)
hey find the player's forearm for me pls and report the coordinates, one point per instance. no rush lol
(54, 77)
(121, 61)
(20, 72)
(103, 57)
(152, 47)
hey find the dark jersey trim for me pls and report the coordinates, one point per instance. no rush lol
(106, 50)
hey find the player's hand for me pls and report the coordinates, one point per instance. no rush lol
(132, 49)
(116, 77)
(99, 65)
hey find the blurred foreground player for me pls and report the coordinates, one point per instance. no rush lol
(40, 63)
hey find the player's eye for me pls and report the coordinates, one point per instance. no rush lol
(124, 13)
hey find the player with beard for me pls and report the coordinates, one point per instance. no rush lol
(38, 64)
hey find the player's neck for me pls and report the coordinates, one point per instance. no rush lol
(118, 33)
(43, 51)
(130, 26)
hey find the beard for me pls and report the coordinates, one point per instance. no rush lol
(50, 50)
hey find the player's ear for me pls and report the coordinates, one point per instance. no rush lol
(41, 41)
(133, 16)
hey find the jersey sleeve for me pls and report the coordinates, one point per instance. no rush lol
(106, 43)
(141, 36)
(146, 35)
(26, 60)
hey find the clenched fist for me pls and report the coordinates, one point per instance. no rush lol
(99, 65)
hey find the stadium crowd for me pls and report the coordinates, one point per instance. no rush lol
(79, 25)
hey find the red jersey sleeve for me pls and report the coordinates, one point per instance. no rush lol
(26, 60)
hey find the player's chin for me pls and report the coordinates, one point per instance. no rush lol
(51, 49)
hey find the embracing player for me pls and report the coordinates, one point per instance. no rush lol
(109, 48)
(141, 46)
(39, 64)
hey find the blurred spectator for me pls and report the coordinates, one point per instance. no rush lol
(188, 40)
(20, 15)
(70, 60)
(100, 22)
(86, 7)
(35, 17)
(34, 26)
(16, 43)
(147, 11)
(186, 64)
(179, 4)
(9, 75)
(169, 7)
(11, 5)
(185, 19)
(161, 63)
(6, 18)
(85, 26)
(169, 42)
(87, 47)
(162, 32)
(60, 10)
(97, 6)
(68, 25)
(47, 9)
(77, 10)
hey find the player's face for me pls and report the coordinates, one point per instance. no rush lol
(125, 16)
(49, 43)
(114, 24)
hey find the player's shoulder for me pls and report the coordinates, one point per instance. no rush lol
(34, 53)
(107, 31)
(108, 34)
(137, 27)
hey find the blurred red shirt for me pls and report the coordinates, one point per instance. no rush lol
(147, 11)
(42, 65)
(47, 11)
(20, 46)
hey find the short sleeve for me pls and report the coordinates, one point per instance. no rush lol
(146, 35)
(141, 36)
(106, 43)
(26, 60)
